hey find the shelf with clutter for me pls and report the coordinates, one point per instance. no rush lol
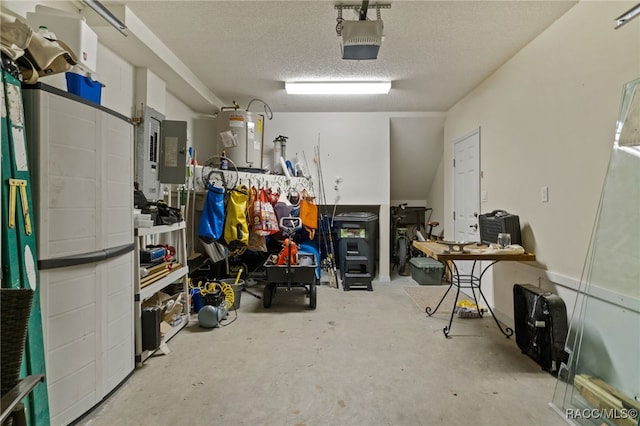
(161, 289)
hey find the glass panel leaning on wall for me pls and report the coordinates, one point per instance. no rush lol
(600, 384)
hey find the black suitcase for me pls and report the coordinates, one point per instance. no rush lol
(491, 224)
(540, 319)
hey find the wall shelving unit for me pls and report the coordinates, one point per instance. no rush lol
(174, 235)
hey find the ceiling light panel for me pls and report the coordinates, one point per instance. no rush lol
(338, 87)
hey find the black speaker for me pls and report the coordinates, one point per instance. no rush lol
(151, 328)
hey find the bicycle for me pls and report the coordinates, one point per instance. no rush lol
(403, 232)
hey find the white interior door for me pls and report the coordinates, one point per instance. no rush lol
(466, 208)
(466, 192)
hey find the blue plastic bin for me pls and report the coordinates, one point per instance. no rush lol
(84, 87)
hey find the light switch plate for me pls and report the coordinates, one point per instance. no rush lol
(544, 192)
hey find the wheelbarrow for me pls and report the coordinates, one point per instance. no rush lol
(300, 273)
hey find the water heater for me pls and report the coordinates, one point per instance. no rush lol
(240, 136)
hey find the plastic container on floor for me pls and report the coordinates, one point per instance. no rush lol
(426, 271)
(237, 291)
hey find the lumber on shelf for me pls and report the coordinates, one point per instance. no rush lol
(602, 396)
(157, 272)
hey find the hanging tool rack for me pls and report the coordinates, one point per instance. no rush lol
(212, 173)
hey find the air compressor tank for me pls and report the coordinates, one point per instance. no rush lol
(240, 136)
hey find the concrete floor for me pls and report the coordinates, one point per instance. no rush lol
(361, 358)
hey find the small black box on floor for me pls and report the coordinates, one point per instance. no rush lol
(491, 224)
(151, 328)
(426, 271)
(540, 323)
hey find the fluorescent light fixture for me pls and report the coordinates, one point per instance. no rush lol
(627, 16)
(338, 87)
(108, 16)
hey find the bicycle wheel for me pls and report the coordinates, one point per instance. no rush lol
(401, 251)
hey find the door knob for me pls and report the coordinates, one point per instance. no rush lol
(474, 226)
(475, 214)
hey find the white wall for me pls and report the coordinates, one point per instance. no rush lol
(118, 77)
(435, 198)
(176, 110)
(416, 146)
(149, 90)
(204, 138)
(354, 146)
(548, 118)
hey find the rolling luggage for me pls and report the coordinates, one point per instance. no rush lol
(540, 319)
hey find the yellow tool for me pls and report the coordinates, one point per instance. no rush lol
(22, 184)
(210, 287)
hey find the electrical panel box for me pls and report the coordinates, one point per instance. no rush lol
(161, 153)
(148, 154)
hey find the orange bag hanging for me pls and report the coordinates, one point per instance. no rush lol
(253, 197)
(273, 196)
(264, 217)
(257, 241)
(308, 213)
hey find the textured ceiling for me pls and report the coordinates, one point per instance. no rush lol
(433, 51)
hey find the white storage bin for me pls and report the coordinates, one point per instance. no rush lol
(70, 28)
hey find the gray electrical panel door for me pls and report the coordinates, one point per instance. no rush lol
(173, 152)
